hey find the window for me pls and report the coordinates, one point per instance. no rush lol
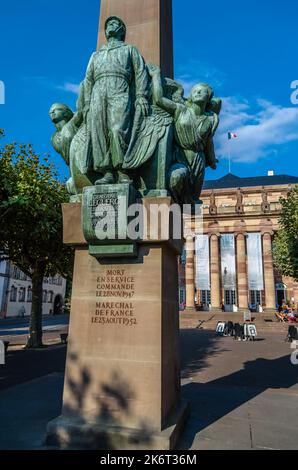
(29, 294)
(50, 296)
(13, 294)
(44, 295)
(183, 257)
(22, 294)
(256, 297)
(230, 297)
(181, 296)
(205, 297)
(13, 272)
(57, 280)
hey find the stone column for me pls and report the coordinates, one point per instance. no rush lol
(268, 272)
(215, 272)
(189, 273)
(242, 285)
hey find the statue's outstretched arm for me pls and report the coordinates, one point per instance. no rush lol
(158, 93)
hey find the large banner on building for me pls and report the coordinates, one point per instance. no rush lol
(228, 261)
(202, 262)
(255, 262)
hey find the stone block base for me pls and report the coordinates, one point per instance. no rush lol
(68, 433)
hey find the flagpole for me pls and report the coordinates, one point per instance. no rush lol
(229, 147)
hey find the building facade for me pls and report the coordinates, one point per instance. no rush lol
(16, 292)
(229, 262)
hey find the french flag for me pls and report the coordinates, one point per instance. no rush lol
(232, 136)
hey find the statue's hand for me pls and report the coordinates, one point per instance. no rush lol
(213, 165)
(142, 103)
(153, 70)
(78, 118)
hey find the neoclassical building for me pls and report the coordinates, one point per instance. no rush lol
(229, 261)
(16, 292)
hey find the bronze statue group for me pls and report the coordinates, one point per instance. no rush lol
(134, 126)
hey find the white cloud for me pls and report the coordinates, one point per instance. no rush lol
(259, 131)
(195, 71)
(67, 86)
(71, 87)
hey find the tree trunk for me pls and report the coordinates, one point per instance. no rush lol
(35, 329)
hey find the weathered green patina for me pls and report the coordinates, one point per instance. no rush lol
(134, 126)
(105, 216)
(70, 140)
(117, 89)
(195, 122)
(133, 133)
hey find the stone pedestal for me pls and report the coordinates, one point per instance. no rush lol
(122, 379)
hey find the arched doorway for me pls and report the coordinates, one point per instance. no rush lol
(58, 304)
(281, 293)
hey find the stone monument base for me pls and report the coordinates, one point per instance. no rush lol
(122, 377)
(68, 433)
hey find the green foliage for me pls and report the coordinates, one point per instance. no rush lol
(285, 246)
(30, 212)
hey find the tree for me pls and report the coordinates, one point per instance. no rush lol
(285, 245)
(31, 223)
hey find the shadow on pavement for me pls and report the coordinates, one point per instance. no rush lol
(196, 346)
(22, 366)
(213, 400)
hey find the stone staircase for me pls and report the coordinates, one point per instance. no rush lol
(209, 320)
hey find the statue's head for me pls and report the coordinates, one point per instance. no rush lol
(115, 27)
(201, 93)
(60, 112)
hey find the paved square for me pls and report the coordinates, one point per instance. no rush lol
(243, 395)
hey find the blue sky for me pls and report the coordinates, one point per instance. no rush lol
(247, 51)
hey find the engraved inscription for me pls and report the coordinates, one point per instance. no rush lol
(108, 204)
(117, 284)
